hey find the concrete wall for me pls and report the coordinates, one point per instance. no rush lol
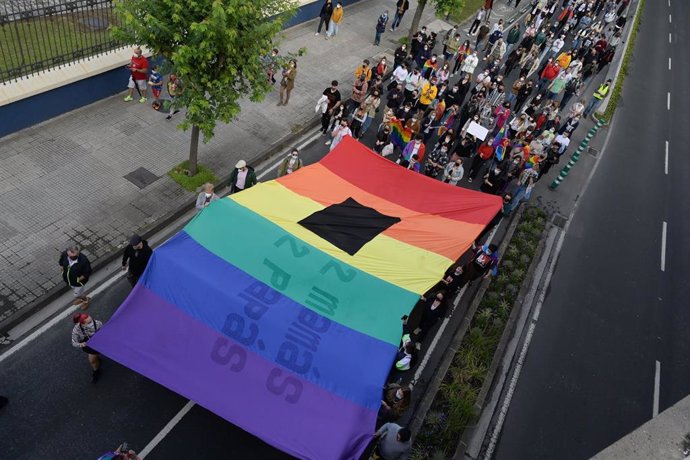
(22, 105)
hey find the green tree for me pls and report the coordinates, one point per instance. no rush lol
(214, 46)
(443, 8)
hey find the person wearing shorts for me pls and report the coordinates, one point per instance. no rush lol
(156, 83)
(86, 327)
(76, 269)
(139, 68)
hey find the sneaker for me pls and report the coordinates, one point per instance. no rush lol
(142, 100)
(392, 29)
(128, 98)
(95, 375)
(316, 34)
(327, 143)
(469, 179)
(169, 117)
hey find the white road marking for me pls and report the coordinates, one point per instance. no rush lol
(299, 147)
(166, 429)
(657, 381)
(668, 100)
(666, 160)
(669, 63)
(446, 320)
(663, 247)
(57, 318)
(669, 18)
(669, 37)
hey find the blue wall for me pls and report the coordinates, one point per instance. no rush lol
(32, 110)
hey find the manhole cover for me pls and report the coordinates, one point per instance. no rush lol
(592, 151)
(559, 220)
(141, 177)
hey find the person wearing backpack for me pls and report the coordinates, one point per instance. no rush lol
(381, 27)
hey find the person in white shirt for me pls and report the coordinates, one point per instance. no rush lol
(563, 140)
(242, 177)
(400, 74)
(340, 131)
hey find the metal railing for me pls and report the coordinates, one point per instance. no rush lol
(36, 35)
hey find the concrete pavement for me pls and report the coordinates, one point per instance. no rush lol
(66, 180)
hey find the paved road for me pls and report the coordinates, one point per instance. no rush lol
(612, 312)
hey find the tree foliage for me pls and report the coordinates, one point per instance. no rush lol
(443, 8)
(214, 46)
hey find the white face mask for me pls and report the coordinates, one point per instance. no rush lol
(208, 195)
(399, 394)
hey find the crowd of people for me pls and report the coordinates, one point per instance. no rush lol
(498, 106)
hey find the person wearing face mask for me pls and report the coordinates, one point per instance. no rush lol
(340, 131)
(383, 138)
(453, 172)
(242, 177)
(470, 64)
(414, 147)
(494, 180)
(86, 327)
(436, 161)
(290, 164)
(76, 270)
(483, 264)
(135, 258)
(139, 69)
(205, 197)
(395, 402)
(434, 309)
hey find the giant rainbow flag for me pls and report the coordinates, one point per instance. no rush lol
(278, 308)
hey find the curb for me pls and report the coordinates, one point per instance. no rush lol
(523, 305)
(432, 388)
(53, 293)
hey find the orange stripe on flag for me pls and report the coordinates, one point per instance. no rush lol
(449, 238)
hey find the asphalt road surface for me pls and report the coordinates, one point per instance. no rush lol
(618, 298)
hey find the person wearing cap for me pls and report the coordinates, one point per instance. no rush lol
(76, 270)
(205, 197)
(136, 257)
(242, 177)
(86, 327)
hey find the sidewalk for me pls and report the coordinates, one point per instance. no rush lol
(65, 180)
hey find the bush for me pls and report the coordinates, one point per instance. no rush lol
(453, 407)
(191, 183)
(618, 87)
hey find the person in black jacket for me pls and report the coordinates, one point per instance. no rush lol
(136, 257)
(325, 15)
(76, 270)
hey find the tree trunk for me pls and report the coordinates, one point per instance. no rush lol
(414, 27)
(194, 150)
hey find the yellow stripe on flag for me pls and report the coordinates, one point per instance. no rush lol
(399, 263)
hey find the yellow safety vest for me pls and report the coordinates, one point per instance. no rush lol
(602, 91)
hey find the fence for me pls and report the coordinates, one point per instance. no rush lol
(36, 35)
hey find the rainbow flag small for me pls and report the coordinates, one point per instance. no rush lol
(400, 136)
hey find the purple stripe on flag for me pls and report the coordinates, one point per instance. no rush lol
(205, 366)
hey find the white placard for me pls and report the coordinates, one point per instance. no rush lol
(477, 130)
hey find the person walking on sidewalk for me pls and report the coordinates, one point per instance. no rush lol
(139, 68)
(287, 83)
(156, 84)
(381, 27)
(325, 15)
(477, 20)
(76, 270)
(175, 89)
(400, 8)
(205, 197)
(598, 96)
(290, 164)
(242, 177)
(336, 19)
(136, 257)
(84, 328)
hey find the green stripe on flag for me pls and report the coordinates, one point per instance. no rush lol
(303, 273)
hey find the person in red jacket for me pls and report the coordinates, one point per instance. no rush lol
(484, 153)
(550, 72)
